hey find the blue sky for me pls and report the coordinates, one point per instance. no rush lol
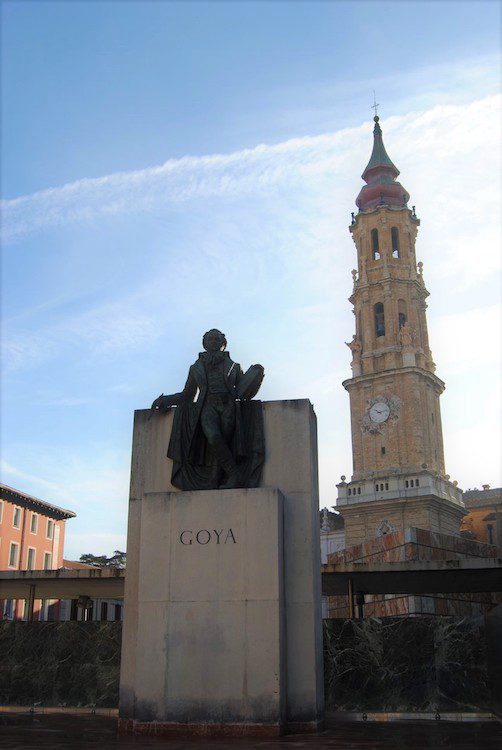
(169, 167)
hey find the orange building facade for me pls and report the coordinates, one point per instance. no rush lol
(483, 521)
(32, 534)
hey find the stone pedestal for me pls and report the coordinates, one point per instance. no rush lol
(222, 626)
(210, 611)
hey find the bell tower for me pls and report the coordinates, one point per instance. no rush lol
(398, 475)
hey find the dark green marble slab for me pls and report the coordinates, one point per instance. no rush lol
(60, 664)
(407, 664)
(390, 664)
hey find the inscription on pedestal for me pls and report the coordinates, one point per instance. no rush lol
(204, 536)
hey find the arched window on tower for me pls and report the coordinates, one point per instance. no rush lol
(379, 319)
(401, 312)
(375, 248)
(395, 242)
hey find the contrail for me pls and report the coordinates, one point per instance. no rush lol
(254, 171)
(174, 181)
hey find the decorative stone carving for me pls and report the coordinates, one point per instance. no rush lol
(386, 271)
(407, 340)
(385, 527)
(355, 347)
(325, 520)
(364, 275)
(467, 528)
(406, 334)
(382, 408)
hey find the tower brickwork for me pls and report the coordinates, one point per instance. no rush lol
(398, 477)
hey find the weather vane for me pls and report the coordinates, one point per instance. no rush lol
(375, 105)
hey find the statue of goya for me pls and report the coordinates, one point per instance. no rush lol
(217, 435)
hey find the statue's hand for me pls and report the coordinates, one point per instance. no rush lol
(157, 402)
(163, 403)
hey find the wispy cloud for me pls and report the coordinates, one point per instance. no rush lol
(258, 205)
(175, 181)
(85, 480)
(121, 388)
(106, 328)
(66, 401)
(82, 491)
(9, 472)
(94, 486)
(248, 171)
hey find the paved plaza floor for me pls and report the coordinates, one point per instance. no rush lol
(67, 732)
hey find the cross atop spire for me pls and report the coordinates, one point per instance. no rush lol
(375, 106)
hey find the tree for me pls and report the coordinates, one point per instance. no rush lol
(117, 560)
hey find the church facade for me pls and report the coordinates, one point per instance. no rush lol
(398, 478)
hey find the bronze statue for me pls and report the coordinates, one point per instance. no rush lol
(217, 434)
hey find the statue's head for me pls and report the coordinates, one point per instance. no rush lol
(214, 341)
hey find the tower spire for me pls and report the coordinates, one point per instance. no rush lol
(380, 174)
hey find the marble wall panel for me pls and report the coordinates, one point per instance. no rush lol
(60, 664)
(407, 664)
(418, 663)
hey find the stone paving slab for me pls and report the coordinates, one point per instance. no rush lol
(65, 732)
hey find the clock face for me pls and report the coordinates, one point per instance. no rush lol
(379, 412)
